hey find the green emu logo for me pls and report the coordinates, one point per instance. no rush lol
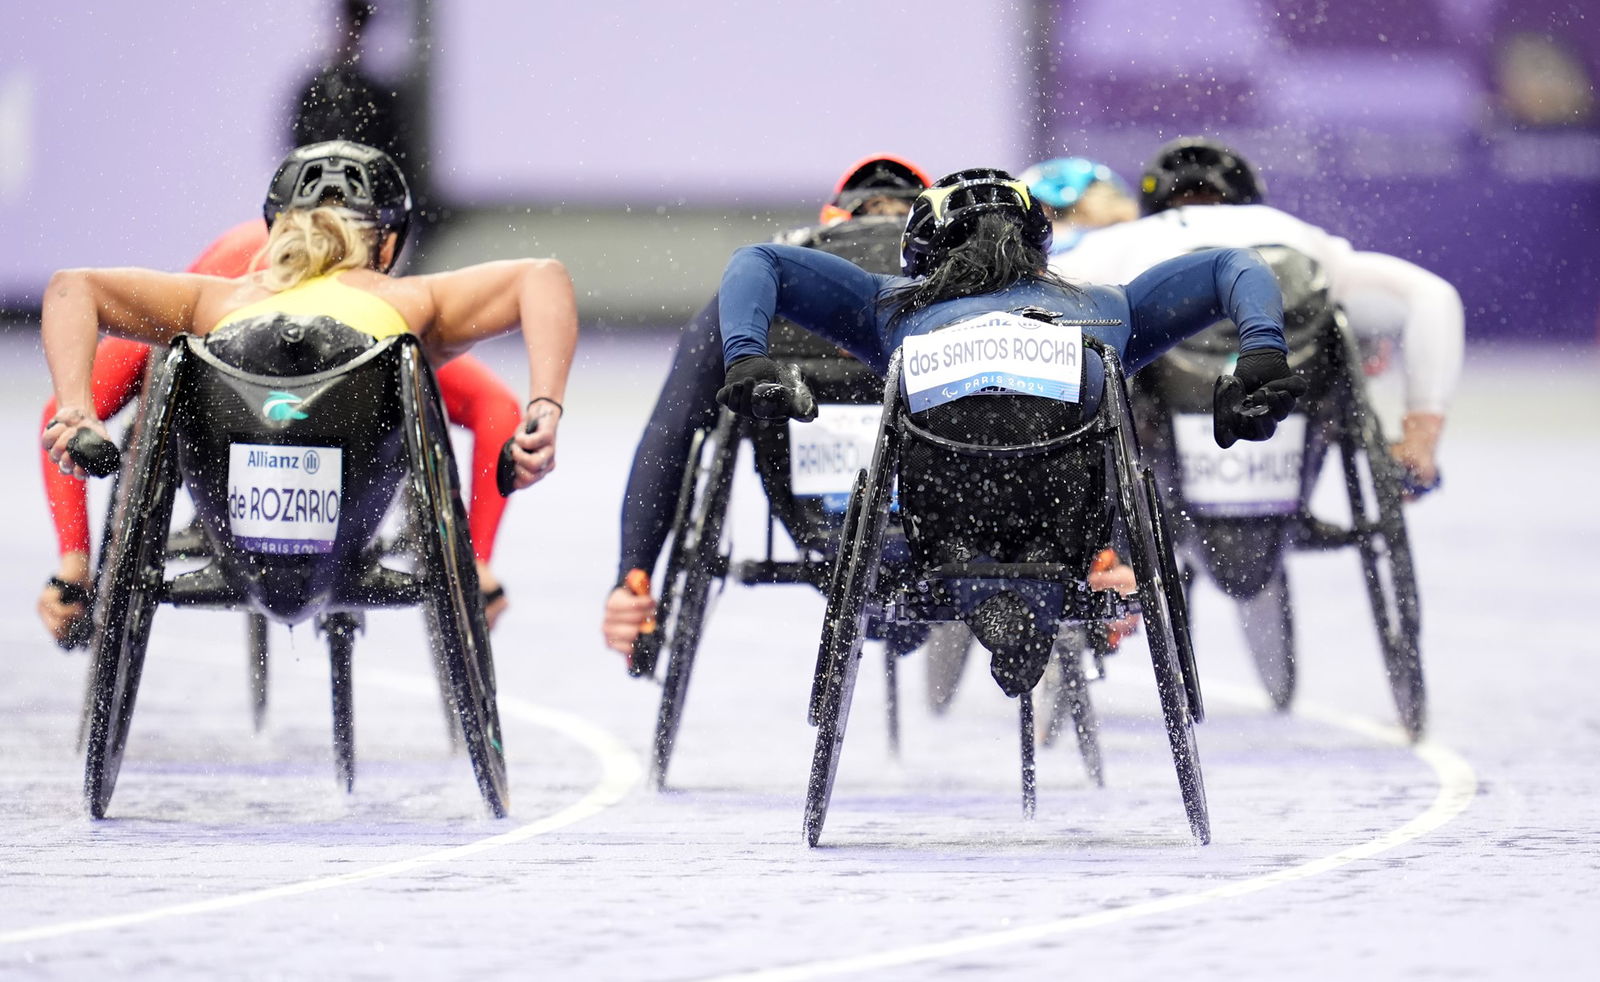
(282, 406)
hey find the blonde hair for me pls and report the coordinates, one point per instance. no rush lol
(310, 242)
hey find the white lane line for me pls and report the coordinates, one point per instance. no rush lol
(1458, 785)
(620, 770)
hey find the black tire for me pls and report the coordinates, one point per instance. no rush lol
(844, 628)
(130, 585)
(256, 643)
(1268, 622)
(1373, 483)
(1160, 594)
(693, 564)
(459, 632)
(835, 597)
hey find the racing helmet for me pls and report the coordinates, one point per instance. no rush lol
(880, 175)
(1059, 183)
(1198, 163)
(364, 179)
(945, 214)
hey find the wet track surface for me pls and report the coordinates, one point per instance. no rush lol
(1337, 851)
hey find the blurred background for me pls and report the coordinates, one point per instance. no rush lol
(641, 141)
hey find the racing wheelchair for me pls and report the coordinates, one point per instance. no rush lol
(293, 441)
(982, 467)
(1240, 510)
(804, 470)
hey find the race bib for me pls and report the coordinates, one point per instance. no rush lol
(284, 499)
(826, 453)
(1248, 478)
(998, 353)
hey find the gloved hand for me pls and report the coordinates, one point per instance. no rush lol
(758, 387)
(1249, 404)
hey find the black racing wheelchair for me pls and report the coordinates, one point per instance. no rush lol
(847, 393)
(295, 441)
(1005, 493)
(1239, 511)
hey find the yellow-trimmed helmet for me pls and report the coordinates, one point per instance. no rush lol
(944, 215)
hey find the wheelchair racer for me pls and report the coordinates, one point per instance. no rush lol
(1198, 194)
(862, 219)
(1078, 195)
(978, 242)
(474, 397)
(338, 213)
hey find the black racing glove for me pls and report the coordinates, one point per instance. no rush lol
(760, 388)
(1250, 403)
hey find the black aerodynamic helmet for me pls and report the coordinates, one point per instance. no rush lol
(945, 214)
(1198, 164)
(364, 179)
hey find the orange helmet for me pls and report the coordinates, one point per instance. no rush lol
(880, 175)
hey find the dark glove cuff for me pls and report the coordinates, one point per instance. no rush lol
(1260, 366)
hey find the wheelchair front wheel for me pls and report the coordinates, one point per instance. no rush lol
(1070, 701)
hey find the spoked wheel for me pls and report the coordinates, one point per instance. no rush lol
(1030, 776)
(1070, 701)
(1161, 602)
(341, 631)
(844, 628)
(131, 581)
(459, 632)
(695, 561)
(1269, 631)
(255, 627)
(1373, 484)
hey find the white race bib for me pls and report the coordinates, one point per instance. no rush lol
(284, 499)
(1248, 478)
(825, 453)
(999, 352)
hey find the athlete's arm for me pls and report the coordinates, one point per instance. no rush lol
(1432, 338)
(829, 296)
(1180, 297)
(140, 304)
(480, 302)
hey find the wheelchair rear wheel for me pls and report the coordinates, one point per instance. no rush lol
(459, 632)
(1375, 507)
(1160, 597)
(695, 560)
(838, 660)
(134, 562)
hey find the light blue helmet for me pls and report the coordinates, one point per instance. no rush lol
(1059, 183)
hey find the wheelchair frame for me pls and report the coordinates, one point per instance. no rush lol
(134, 583)
(696, 561)
(1339, 415)
(862, 587)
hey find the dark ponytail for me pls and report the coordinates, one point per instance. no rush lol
(993, 256)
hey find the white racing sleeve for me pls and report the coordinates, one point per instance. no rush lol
(1433, 327)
